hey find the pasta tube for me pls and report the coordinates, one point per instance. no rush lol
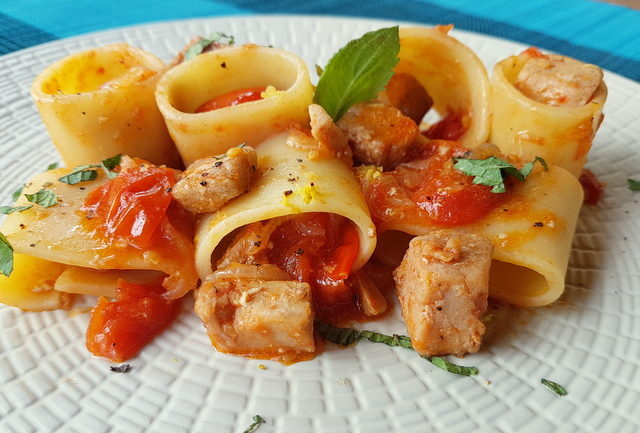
(100, 102)
(525, 128)
(452, 75)
(294, 179)
(187, 86)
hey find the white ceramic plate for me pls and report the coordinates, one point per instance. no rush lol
(589, 341)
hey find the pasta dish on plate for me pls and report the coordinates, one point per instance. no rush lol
(292, 209)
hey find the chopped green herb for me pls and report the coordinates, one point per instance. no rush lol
(347, 336)
(490, 171)
(634, 185)
(44, 197)
(319, 70)
(17, 193)
(257, 420)
(11, 209)
(6, 256)
(358, 71)
(113, 162)
(558, 389)
(202, 44)
(52, 166)
(87, 172)
(78, 176)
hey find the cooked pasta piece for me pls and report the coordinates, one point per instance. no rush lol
(71, 233)
(546, 106)
(188, 86)
(101, 102)
(454, 77)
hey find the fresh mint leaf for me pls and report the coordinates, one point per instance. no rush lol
(348, 336)
(52, 166)
(634, 185)
(358, 71)
(78, 176)
(6, 256)
(556, 388)
(44, 197)
(17, 193)
(257, 420)
(490, 171)
(113, 162)
(202, 44)
(6, 210)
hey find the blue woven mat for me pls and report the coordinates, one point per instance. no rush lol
(593, 31)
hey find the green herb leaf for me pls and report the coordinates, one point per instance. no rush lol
(52, 166)
(348, 336)
(203, 43)
(257, 420)
(358, 72)
(319, 70)
(17, 193)
(113, 162)
(11, 209)
(556, 388)
(44, 197)
(490, 171)
(6, 256)
(634, 185)
(451, 367)
(78, 176)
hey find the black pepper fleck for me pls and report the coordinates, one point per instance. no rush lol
(223, 64)
(299, 160)
(299, 251)
(217, 164)
(120, 368)
(32, 245)
(203, 183)
(257, 243)
(538, 224)
(288, 192)
(82, 188)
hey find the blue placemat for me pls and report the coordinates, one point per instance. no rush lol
(596, 32)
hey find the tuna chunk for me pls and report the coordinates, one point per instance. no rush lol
(379, 134)
(558, 81)
(258, 318)
(442, 284)
(405, 92)
(209, 183)
(328, 134)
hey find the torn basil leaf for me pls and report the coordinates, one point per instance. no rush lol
(6, 256)
(634, 185)
(113, 162)
(348, 336)
(202, 44)
(17, 193)
(44, 197)
(257, 420)
(556, 388)
(6, 210)
(490, 171)
(78, 176)
(358, 71)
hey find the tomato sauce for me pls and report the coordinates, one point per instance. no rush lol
(451, 127)
(119, 329)
(593, 188)
(449, 196)
(320, 248)
(232, 98)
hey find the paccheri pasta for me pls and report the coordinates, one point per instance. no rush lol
(297, 204)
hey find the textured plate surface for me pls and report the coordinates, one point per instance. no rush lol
(589, 341)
